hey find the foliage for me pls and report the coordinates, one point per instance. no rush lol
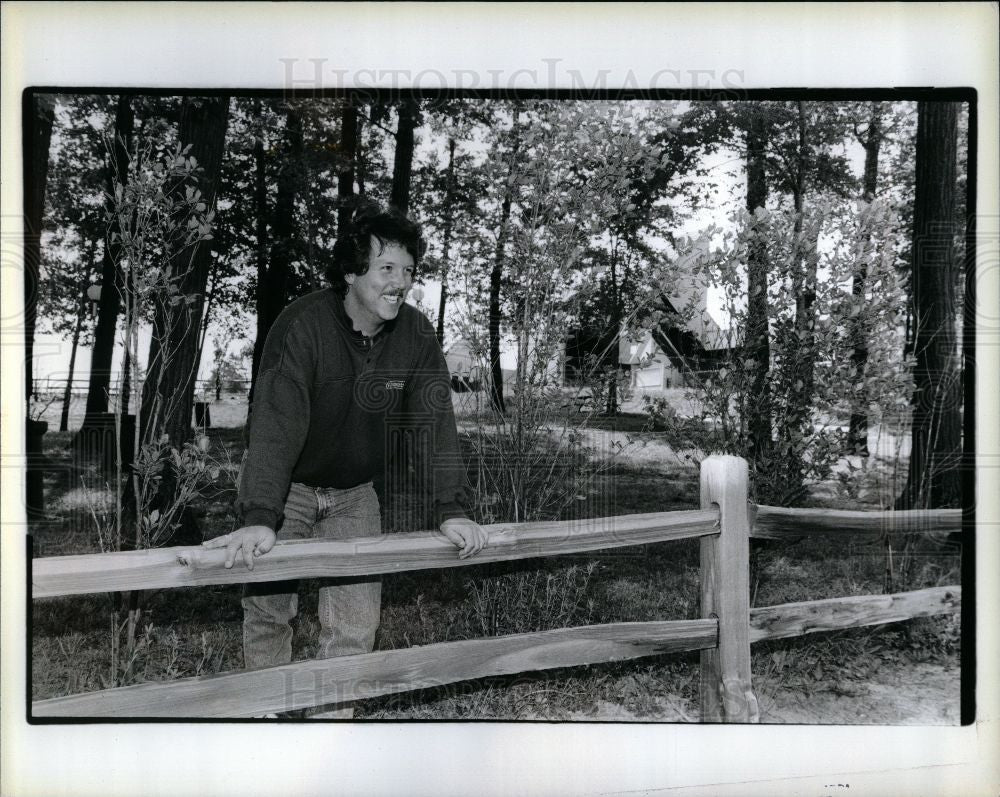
(533, 463)
(74, 222)
(724, 397)
(157, 216)
(154, 218)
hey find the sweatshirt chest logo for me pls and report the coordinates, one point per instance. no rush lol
(395, 384)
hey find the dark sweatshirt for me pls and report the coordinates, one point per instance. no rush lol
(325, 396)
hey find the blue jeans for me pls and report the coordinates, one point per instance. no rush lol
(348, 607)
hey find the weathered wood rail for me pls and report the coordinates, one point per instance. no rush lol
(772, 522)
(724, 635)
(192, 567)
(384, 672)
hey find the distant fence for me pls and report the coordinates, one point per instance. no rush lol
(727, 628)
(56, 386)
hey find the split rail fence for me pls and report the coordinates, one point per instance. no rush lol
(724, 634)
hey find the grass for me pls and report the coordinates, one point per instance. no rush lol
(197, 631)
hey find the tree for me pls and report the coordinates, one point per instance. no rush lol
(77, 285)
(74, 226)
(107, 315)
(157, 222)
(876, 126)
(273, 285)
(448, 190)
(348, 151)
(408, 113)
(497, 270)
(640, 158)
(804, 163)
(933, 478)
(227, 370)
(168, 394)
(757, 330)
(39, 116)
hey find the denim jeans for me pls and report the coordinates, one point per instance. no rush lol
(348, 607)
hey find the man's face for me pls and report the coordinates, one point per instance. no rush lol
(376, 296)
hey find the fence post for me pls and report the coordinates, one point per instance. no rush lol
(726, 692)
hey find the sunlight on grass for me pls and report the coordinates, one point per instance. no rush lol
(84, 499)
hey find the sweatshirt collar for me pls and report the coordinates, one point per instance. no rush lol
(340, 312)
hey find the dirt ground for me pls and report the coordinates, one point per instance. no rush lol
(903, 694)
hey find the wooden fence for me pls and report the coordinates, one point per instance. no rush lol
(728, 627)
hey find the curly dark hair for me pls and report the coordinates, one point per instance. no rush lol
(370, 223)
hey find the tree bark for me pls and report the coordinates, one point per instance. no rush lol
(757, 334)
(857, 432)
(125, 397)
(39, 113)
(496, 278)
(272, 289)
(611, 403)
(446, 242)
(349, 153)
(261, 211)
(933, 479)
(272, 284)
(77, 329)
(802, 349)
(168, 393)
(402, 166)
(111, 280)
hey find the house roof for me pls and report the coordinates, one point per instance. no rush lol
(700, 324)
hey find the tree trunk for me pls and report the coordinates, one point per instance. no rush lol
(110, 304)
(349, 153)
(361, 166)
(168, 390)
(168, 393)
(402, 166)
(124, 400)
(496, 279)
(933, 479)
(80, 313)
(802, 354)
(272, 289)
(611, 404)
(39, 113)
(261, 211)
(446, 242)
(857, 432)
(757, 334)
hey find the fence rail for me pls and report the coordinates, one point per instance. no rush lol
(392, 553)
(772, 522)
(306, 683)
(294, 686)
(728, 626)
(56, 385)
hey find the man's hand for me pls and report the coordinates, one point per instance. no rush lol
(466, 534)
(249, 541)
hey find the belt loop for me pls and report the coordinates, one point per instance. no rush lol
(320, 503)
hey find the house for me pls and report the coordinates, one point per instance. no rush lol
(675, 352)
(686, 342)
(464, 367)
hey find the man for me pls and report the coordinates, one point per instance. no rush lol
(338, 367)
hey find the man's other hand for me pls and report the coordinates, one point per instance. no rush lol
(466, 534)
(247, 542)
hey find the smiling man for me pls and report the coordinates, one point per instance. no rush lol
(340, 366)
